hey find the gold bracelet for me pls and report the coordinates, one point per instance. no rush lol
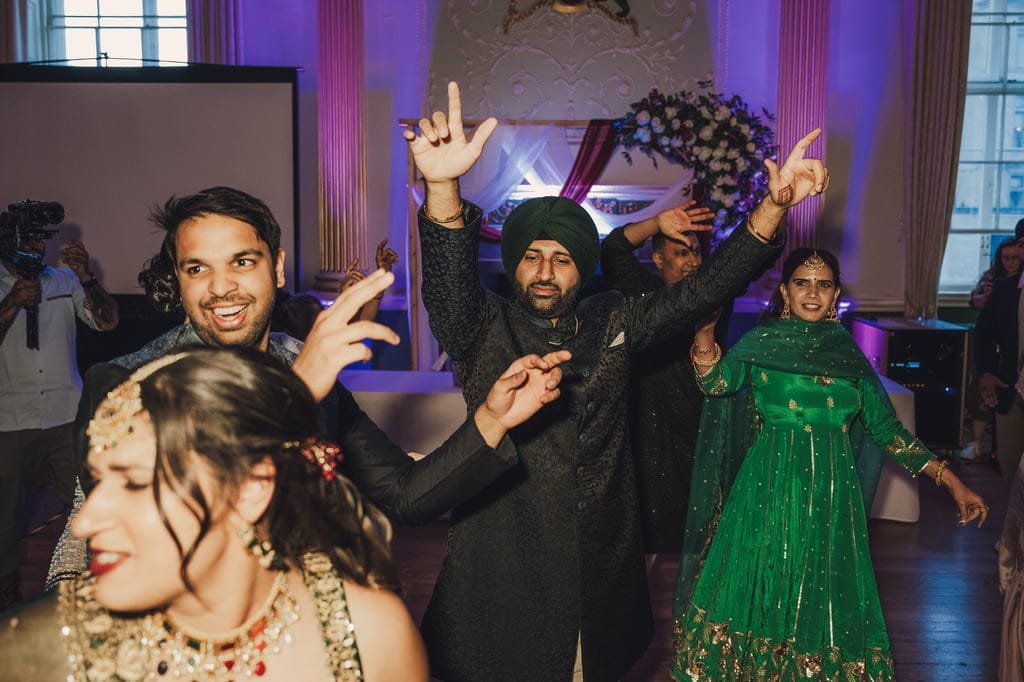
(943, 465)
(443, 221)
(757, 235)
(694, 352)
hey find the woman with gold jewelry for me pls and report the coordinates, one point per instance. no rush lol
(223, 543)
(776, 579)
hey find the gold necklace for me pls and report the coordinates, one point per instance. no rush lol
(180, 651)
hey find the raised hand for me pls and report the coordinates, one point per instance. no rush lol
(335, 341)
(798, 177)
(386, 256)
(74, 255)
(970, 505)
(351, 275)
(528, 384)
(441, 150)
(25, 292)
(687, 217)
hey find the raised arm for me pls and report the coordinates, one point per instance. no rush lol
(619, 263)
(96, 308)
(449, 227)
(739, 259)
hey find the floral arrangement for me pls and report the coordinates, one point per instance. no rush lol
(719, 138)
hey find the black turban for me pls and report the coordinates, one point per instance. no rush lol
(556, 218)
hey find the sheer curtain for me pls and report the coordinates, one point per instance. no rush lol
(936, 87)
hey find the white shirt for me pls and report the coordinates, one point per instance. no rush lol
(40, 389)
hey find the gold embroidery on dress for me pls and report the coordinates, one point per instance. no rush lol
(830, 401)
(807, 428)
(792, 404)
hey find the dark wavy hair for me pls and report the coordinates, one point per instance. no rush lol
(229, 409)
(997, 270)
(789, 266)
(159, 274)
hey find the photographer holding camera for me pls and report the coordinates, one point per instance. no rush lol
(39, 379)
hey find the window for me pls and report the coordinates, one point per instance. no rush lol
(989, 196)
(118, 32)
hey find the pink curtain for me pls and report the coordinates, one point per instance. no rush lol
(595, 151)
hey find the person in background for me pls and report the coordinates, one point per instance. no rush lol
(40, 387)
(1006, 263)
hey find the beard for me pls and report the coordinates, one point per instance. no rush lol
(549, 307)
(249, 335)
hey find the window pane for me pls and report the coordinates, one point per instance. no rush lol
(170, 7)
(177, 22)
(1013, 129)
(1011, 199)
(80, 7)
(980, 113)
(80, 46)
(173, 45)
(963, 263)
(967, 203)
(122, 45)
(121, 7)
(987, 53)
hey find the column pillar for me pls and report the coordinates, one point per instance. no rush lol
(342, 141)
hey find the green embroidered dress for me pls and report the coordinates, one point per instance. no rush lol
(776, 580)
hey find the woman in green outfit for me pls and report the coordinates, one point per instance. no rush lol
(776, 580)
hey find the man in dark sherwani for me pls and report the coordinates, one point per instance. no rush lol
(664, 398)
(545, 565)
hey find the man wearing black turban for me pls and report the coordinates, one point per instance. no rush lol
(546, 563)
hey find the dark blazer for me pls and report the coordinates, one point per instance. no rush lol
(552, 550)
(664, 405)
(995, 336)
(409, 491)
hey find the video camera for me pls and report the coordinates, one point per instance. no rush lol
(24, 222)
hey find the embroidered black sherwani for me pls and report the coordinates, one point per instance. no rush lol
(552, 551)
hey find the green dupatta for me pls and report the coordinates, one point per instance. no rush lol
(729, 424)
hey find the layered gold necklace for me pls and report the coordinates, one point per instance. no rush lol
(153, 646)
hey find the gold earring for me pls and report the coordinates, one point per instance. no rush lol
(784, 315)
(833, 314)
(261, 549)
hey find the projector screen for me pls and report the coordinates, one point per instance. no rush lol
(111, 143)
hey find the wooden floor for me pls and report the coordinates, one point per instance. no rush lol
(937, 582)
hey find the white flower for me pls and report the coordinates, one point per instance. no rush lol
(745, 129)
(664, 141)
(704, 154)
(751, 147)
(723, 144)
(670, 112)
(718, 153)
(732, 154)
(728, 201)
(728, 179)
(643, 118)
(643, 135)
(723, 112)
(732, 121)
(658, 127)
(675, 124)
(741, 165)
(715, 165)
(704, 113)
(677, 142)
(688, 123)
(705, 133)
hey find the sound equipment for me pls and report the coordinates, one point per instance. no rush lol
(930, 358)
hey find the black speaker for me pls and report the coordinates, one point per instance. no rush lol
(930, 358)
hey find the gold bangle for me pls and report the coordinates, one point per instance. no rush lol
(943, 465)
(695, 351)
(757, 235)
(450, 219)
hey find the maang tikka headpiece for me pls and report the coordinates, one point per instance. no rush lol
(321, 454)
(113, 418)
(814, 262)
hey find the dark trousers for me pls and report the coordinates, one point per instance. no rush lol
(24, 455)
